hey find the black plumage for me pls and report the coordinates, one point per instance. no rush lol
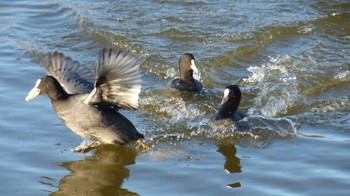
(229, 104)
(186, 82)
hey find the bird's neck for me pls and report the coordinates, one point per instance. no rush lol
(187, 76)
(228, 109)
(58, 95)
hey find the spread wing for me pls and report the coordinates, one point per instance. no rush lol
(74, 78)
(118, 79)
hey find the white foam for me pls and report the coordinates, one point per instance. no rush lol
(278, 86)
(305, 29)
(327, 106)
(343, 75)
(171, 73)
(171, 109)
(197, 75)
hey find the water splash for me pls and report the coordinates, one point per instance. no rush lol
(172, 108)
(277, 85)
(197, 75)
(171, 73)
(333, 114)
(343, 75)
(341, 104)
(258, 131)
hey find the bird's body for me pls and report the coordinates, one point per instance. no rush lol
(184, 85)
(93, 123)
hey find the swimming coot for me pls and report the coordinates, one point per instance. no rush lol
(91, 109)
(229, 104)
(186, 82)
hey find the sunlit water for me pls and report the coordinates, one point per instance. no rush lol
(291, 60)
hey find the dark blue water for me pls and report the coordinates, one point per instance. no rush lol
(291, 60)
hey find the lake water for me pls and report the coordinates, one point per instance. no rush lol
(290, 58)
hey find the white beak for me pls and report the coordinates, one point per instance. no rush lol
(225, 98)
(34, 92)
(193, 66)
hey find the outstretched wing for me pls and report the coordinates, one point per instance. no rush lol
(118, 79)
(74, 78)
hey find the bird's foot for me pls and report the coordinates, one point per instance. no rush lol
(144, 146)
(86, 146)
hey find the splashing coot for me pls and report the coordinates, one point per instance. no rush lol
(90, 109)
(229, 104)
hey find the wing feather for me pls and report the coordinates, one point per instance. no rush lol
(74, 77)
(118, 79)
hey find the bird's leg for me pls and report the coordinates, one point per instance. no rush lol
(144, 146)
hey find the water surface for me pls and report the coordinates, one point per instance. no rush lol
(291, 60)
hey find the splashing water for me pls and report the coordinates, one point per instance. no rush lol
(277, 84)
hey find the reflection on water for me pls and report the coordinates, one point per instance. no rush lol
(232, 163)
(103, 173)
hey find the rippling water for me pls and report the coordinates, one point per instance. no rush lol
(291, 60)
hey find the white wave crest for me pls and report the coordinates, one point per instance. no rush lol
(278, 86)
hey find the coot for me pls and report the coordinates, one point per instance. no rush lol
(90, 109)
(186, 82)
(229, 104)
